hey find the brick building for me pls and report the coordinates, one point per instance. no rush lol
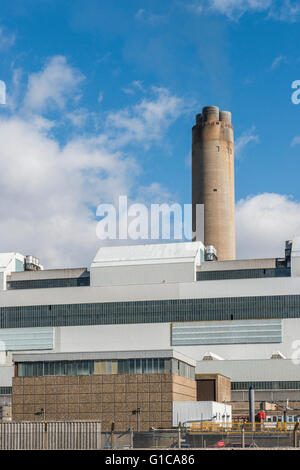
(133, 389)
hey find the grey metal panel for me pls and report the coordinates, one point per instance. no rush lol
(263, 263)
(164, 353)
(48, 274)
(251, 370)
(26, 339)
(226, 332)
(6, 374)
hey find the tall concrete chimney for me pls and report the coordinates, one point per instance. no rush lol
(213, 179)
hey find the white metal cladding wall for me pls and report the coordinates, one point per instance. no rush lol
(74, 435)
(50, 435)
(27, 339)
(226, 332)
(18, 436)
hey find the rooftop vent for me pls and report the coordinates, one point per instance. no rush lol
(32, 263)
(277, 355)
(209, 356)
(210, 253)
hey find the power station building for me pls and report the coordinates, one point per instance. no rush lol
(147, 315)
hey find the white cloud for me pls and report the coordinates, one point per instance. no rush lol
(148, 17)
(236, 8)
(287, 10)
(264, 222)
(243, 140)
(6, 40)
(295, 141)
(79, 117)
(138, 84)
(49, 190)
(148, 120)
(135, 85)
(233, 9)
(53, 85)
(277, 61)
(2, 93)
(155, 193)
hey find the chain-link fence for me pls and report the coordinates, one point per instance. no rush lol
(173, 439)
(88, 436)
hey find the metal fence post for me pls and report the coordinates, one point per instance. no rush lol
(179, 436)
(45, 435)
(243, 437)
(112, 435)
(295, 434)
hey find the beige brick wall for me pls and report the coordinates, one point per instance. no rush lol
(184, 389)
(102, 397)
(223, 388)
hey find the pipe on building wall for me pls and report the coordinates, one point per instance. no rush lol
(251, 405)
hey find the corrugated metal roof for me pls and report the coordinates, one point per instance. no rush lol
(146, 254)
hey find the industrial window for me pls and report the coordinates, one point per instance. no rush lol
(49, 283)
(153, 311)
(5, 390)
(243, 274)
(226, 332)
(120, 366)
(268, 385)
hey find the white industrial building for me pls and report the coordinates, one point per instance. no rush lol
(235, 318)
(189, 412)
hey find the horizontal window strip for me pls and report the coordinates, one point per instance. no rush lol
(96, 367)
(155, 311)
(243, 274)
(271, 385)
(24, 339)
(48, 283)
(233, 332)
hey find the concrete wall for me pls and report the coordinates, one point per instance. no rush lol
(145, 274)
(158, 335)
(252, 370)
(188, 290)
(112, 337)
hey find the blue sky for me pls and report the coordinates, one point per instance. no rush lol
(101, 98)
